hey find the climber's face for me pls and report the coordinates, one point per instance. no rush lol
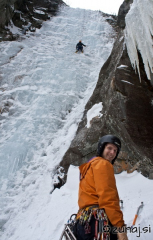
(109, 152)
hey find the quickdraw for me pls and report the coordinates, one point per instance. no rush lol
(102, 229)
(68, 229)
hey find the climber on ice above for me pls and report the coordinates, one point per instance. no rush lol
(79, 46)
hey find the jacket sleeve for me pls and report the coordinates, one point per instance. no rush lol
(108, 198)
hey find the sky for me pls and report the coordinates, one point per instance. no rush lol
(109, 6)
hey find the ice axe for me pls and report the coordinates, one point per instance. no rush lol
(137, 213)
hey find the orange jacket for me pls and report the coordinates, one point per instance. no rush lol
(98, 187)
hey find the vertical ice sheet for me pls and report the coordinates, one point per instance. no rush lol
(44, 88)
(42, 80)
(139, 32)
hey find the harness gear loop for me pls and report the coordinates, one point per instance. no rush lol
(102, 229)
(68, 229)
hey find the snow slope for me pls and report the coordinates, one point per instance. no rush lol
(133, 189)
(46, 215)
(45, 86)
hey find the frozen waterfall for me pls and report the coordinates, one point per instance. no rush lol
(44, 87)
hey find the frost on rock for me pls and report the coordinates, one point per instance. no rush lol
(94, 112)
(122, 66)
(138, 34)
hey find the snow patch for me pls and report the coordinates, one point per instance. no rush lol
(39, 11)
(122, 66)
(13, 28)
(94, 112)
(127, 82)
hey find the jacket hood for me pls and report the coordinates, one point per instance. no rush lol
(84, 167)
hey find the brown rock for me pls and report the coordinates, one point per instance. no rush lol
(127, 113)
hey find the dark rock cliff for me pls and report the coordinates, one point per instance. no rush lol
(127, 113)
(124, 8)
(27, 15)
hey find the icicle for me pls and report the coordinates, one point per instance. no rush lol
(139, 34)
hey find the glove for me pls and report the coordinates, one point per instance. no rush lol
(122, 236)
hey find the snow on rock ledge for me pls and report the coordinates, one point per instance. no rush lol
(94, 112)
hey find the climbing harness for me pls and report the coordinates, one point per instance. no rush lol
(102, 229)
(137, 213)
(68, 233)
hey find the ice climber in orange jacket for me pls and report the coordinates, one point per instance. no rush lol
(98, 188)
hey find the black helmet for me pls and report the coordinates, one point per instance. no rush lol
(108, 139)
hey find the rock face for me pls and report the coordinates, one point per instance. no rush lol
(124, 8)
(25, 14)
(127, 113)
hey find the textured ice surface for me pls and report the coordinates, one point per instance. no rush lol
(43, 80)
(44, 88)
(139, 32)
